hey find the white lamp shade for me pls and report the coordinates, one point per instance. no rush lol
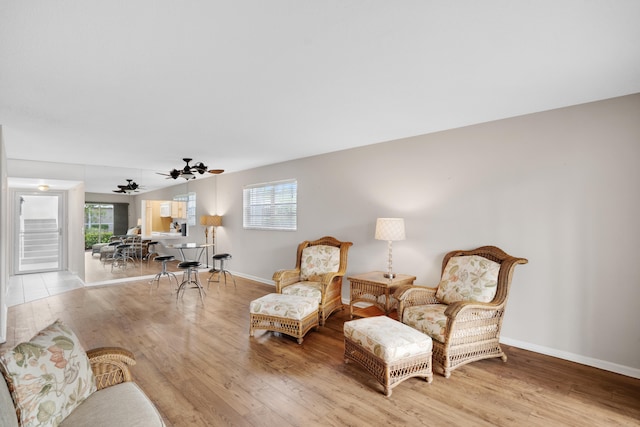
(390, 229)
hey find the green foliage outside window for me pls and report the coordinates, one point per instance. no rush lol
(92, 237)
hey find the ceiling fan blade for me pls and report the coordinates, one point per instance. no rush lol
(172, 174)
(216, 171)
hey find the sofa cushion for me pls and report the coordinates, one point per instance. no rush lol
(318, 260)
(48, 376)
(468, 278)
(119, 406)
(133, 231)
(8, 416)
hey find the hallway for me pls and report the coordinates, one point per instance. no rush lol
(29, 287)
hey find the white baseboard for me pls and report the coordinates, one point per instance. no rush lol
(254, 278)
(119, 281)
(572, 357)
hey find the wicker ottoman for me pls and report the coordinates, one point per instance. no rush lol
(289, 314)
(388, 349)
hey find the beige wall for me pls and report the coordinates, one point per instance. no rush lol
(560, 188)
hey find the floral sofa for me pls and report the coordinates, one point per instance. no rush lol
(52, 381)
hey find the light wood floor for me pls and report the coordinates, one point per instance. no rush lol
(96, 271)
(201, 368)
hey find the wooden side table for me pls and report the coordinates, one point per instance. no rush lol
(369, 287)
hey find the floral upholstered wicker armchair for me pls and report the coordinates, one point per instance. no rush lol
(320, 266)
(463, 315)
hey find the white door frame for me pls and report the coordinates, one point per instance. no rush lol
(16, 235)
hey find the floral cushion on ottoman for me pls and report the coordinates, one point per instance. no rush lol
(318, 260)
(386, 338)
(48, 376)
(468, 278)
(286, 306)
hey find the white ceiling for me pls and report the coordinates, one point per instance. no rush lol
(138, 85)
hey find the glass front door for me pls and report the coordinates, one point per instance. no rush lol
(39, 232)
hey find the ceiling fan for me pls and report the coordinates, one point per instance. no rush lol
(189, 172)
(130, 187)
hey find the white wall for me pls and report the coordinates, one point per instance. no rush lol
(75, 230)
(4, 242)
(559, 188)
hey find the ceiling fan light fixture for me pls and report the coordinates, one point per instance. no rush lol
(189, 172)
(130, 187)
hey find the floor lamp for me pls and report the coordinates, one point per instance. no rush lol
(390, 229)
(210, 221)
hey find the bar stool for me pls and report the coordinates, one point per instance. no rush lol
(190, 275)
(164, 259)
(151, 251)
(221, 271)
(122, 256)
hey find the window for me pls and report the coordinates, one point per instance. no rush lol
(190, 201)
(271, 206)
(98, 223)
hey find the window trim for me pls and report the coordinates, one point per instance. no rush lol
(286, 218)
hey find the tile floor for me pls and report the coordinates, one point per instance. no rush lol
(28, 287)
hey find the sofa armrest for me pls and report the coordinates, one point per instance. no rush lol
(110, 365)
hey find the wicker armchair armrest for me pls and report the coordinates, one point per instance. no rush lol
(410, 295)
(328, 278)
(459, 308)
(110, 365)
(284, 278)
(416, 295)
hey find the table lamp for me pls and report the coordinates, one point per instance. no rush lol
(390, 229)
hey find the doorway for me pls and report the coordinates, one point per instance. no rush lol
(38, 232)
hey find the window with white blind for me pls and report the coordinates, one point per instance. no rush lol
(190, 201)
(271, 206)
